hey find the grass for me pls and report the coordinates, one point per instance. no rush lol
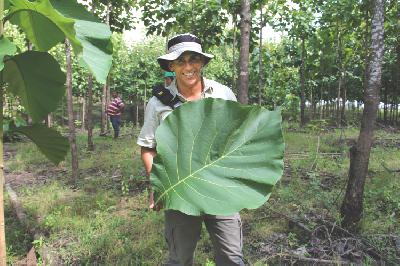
(105, 220)
(18, 240)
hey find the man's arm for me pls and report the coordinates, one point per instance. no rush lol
(147, 155)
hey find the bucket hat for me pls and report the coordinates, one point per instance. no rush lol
(180, 44)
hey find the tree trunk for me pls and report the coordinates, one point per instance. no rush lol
(71, 125)
(108, 100)
(90, 145)
(2, 222)
(103, 110)
(243, 83)
(62, 111)
(343, 111)
(385, 105)
(396, 94)
(83, 115)
(234, 66)
(104, 121)
(302, 83)
(49, 121)
(260, 66)
(338, 113)
(352, 206)
(313, 105)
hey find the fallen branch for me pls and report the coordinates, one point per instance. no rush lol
(45, 252)
(388, 169)
(296, 222)
(292, 257)
(370, 248)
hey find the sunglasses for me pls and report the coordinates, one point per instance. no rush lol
(193, 59)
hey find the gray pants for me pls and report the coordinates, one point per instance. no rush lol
(183, 231)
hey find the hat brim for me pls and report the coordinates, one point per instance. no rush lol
(164, 60)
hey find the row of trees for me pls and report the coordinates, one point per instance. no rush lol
(320, 60)
(331, 72)
(323, 56)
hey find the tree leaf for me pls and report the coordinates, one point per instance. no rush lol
(6, 48)
(42, 24)
(36, 77)
(93, 36)
(50, 142)
(46, 23)
(217, 157)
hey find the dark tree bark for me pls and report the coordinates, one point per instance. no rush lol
(234, 66)
(302, 83)
(385, 105)
(397, 73)
(344, 99)
(108, 100)
(2, 222)
(83, 113)
(352, 206)
(243, 83)
(71, 125)
(104, 121)
(89, 123)
(89, 95)
(260, 65)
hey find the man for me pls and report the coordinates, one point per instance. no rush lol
(114, 111)
(186, 58)
(168, 78)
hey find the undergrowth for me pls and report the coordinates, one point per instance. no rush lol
(105, 220)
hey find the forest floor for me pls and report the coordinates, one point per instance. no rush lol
(103, 218)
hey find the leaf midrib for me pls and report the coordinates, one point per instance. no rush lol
(199, 170)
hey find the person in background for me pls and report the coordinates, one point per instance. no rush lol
(168, 78)
(186, 58)
(114, 111)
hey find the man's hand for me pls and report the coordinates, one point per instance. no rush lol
(147, 155)
(152, 205)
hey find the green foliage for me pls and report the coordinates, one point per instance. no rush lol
(211, 157)
(50, 142)
(27, 75)
(34, 77)
(120, 13)
(220, 67)
(135, 69)
(205, 19)
(6, 48)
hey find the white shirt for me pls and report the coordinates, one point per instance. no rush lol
(156, 111)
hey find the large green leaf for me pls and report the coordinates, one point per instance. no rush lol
(50, 142)
(38, 80)
(6, 48)
(42, 24)
(217, 157)
(94, 36)
(46, 23)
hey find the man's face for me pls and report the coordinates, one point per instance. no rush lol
(187, 68)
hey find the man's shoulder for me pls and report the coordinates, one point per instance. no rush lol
(214, 84)
(218, 90)
(155, 104)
